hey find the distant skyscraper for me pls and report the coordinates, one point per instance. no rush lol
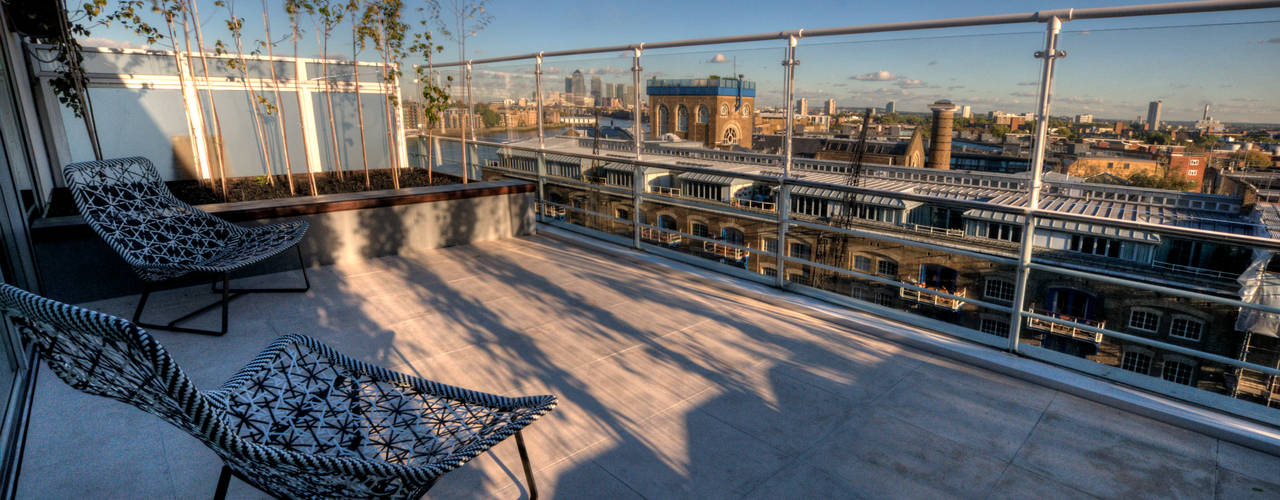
(802, 106)
(891, 107)
(1206, 112)
(831, 106)
(966, 111)
(597, 88)
(609, 89)
(568, 85)
(629, 95)
(579, 87)
(1153, 115)
(620, 92)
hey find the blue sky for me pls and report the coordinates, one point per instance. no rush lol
(1113, 68)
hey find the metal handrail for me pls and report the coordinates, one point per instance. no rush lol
(956, 22)
(1231, 238)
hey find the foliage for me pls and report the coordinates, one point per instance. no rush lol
(47, 22)
(1253, 159)
(380, 23)
(999, 131)
(488, 117)
(235, 25)
(1155, 182)
(435, 98)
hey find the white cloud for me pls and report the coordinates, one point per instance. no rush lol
(718, 59)
(879, 76)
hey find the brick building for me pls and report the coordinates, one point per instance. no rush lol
(714, 111)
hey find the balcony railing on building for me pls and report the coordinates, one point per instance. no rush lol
(660, 236)
(723, 250)
(1065, 329)
(935, 298)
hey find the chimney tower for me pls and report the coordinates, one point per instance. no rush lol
(944, 113)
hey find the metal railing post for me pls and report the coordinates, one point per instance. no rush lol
(467, 122)
(784, 188)
(1049, 54)
(637, 173)
(542, 157)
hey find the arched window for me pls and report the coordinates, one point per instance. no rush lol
(663, 116)
(667, 222)
(733, 235)
(730, 135)
(746, 110)
(724, 109)
(682, 118)
(703, 114)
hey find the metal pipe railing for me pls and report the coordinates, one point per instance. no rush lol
(1040, 213)
(956, 22)
(1031, 213)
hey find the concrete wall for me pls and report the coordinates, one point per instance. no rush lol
(76, 266)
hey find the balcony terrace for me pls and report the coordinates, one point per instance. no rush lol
(673, 382)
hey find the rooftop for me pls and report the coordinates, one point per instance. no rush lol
(672, 383)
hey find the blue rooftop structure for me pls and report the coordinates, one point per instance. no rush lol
(701, 86)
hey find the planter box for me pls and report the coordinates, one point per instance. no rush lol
(75, 265)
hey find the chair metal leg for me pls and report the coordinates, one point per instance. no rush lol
(228, 294)
(528, 470)
(224, 480)
(306, 281)
(172, 326)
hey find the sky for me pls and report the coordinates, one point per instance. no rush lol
(1113, 67)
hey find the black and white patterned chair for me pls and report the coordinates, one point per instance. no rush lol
(127, 203)
(299, 421)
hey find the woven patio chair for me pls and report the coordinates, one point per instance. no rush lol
(127, 203)
(299, 421)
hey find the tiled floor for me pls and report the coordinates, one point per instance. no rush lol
(670, 386)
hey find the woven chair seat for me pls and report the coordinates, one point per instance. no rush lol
(128, 204)
(299, 421)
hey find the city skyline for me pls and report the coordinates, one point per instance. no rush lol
(1113, 68)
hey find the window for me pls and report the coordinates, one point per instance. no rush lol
(799, 250)
(1177, 372)
(730, 135)
(735, 236)
(1186, 328)
(862, 263)
(887, 268)
(700, 229)
(663, 116)
(991, 326)
(771, 245)
(704, 115)
(746, 110)
(724, 109)
(1145, 320)
(1136, 362)
(884, 299)
(682, 118)
(622, 214)
(769, 271)
(1194, 163)
(999, 289)
(1192, 173)
(667, 222)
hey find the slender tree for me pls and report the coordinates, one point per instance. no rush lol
(218, 146)
(275, 86)
(435, 98)
(359, 25)
(171, 10)
(326, 17)
(464, 13)
(295, 8)
(235, 25)
(388, 32)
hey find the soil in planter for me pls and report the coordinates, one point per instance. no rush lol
(257, 188)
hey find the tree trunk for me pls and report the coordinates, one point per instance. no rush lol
(275, 86)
